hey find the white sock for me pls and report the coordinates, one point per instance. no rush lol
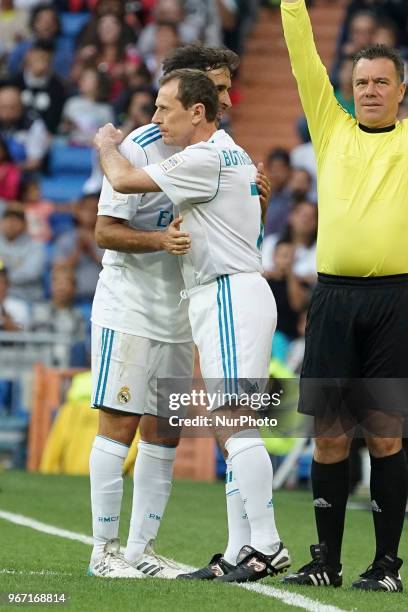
(253, 472)
(106, 465)
(151, 490)
(239, 532)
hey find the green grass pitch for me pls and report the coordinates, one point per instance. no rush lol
(193, 529)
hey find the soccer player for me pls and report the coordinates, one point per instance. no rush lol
(231, 309)
(140, 334)
(355, 366)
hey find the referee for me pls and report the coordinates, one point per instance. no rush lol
(356, 359)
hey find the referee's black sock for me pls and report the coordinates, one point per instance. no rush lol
(330, 484)
(389, 490)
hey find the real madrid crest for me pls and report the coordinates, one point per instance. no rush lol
(124, 395)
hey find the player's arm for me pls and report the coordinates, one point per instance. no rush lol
(115, 234)
(120, 173)
(315, 90)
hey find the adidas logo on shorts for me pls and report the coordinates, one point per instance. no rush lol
(321, 503)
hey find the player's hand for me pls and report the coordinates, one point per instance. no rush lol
(108, 134)
(173, 240)
(264, 188)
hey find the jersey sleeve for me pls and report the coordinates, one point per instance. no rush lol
(120, 205)
(316, 92)
(189, 177)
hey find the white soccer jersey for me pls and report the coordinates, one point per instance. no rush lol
(139, 293)
(212, 185)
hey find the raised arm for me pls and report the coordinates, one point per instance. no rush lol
(315, 90)
(120, 173)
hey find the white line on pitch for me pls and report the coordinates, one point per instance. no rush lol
(291, 599)
(287, 597)
(15, 572)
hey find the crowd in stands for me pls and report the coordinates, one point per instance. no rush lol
(69, 66)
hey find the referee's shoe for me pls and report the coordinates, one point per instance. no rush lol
(253, 565)
(317, 572)
(382, 575)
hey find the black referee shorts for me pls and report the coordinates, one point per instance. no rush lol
(356, 354)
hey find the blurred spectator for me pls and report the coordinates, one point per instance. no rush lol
(139, 109)
(75, 6)
(13, 25)
(45, 27)
(24, 132)
(30, 4)
(103, 7)
(344, 91)
(83, 114)
(303, 156)
(403, 109)
(10, 174)
(195, 20)
(77, 248)
(237, 18)
(37, 210)
(14, 313)
(109, 51)
(24, 258)
(386, 33)
(290, 294)
(166, 40)
(361, 31)
(60, 315)
(300, 185)
(301, 232)
(397, 10)
(42, 91)
(278, 168)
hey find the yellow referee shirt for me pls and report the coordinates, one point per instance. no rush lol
(362, 175)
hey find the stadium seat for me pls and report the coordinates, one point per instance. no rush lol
(72, 24)
(62, 188)
(64, 159)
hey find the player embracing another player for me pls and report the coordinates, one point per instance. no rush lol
(211, 185)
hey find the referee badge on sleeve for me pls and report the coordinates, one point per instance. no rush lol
(171, 163)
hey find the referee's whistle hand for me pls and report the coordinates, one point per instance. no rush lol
(173, 240)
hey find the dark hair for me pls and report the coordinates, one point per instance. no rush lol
(48, 46)
(287, 234)
(387, 23)
(5, 147)
(279, 154)
(378, 52)
(282, 241)
(195, 87)
(17, 213)
(143, 89)
(198, 57)
(103, 83)
(45, 7)
(363, 13)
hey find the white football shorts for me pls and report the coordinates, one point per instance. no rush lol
(127, 369)
(233, 320)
